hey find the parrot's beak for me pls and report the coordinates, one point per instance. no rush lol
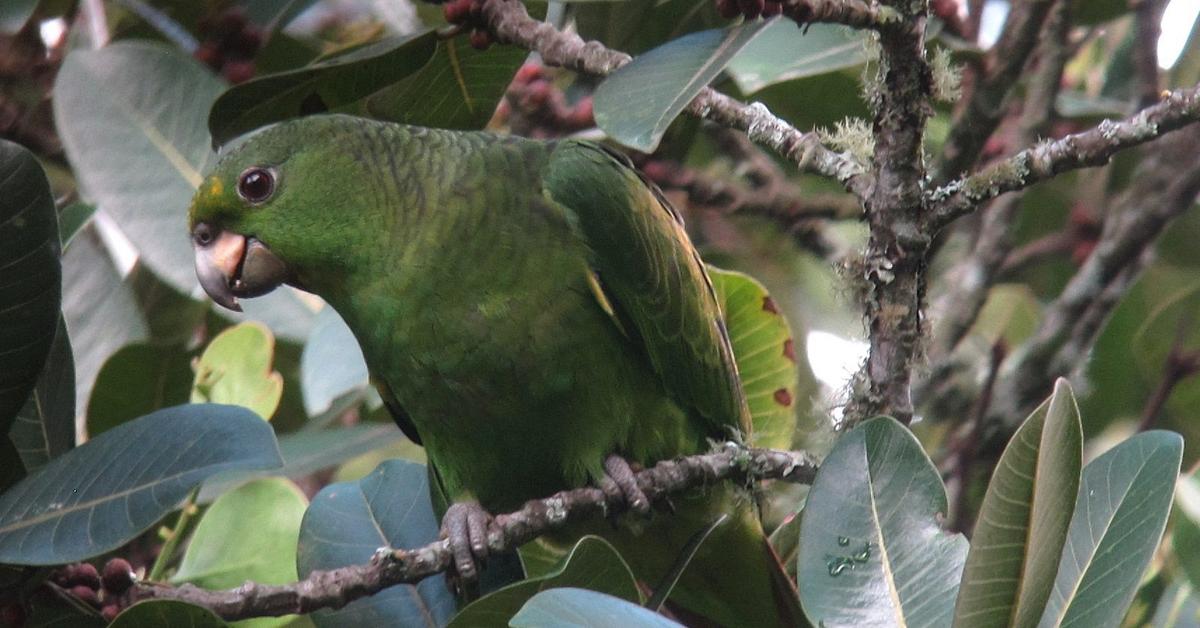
(231, 265)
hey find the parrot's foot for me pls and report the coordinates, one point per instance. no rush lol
(620, 485)
(465, 525)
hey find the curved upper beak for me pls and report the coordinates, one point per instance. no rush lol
(230, 265)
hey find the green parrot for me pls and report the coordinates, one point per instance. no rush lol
(532, 313)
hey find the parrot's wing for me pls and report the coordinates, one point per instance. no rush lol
(652, 277)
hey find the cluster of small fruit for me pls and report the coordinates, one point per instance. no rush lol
(534, 107)
(469, 14)
(99, 590)
(229, 44)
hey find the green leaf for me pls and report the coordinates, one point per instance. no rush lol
(332, 363)
(348, 521)
(138, 379)
(1185, 532)
(765, 352)
(274, 14)
(1119, 518)
(1010, 314)
(72, 218)
(310, 451)
(1179, 607)
(635, 104)
(45, 425)
(581, 608)
(1022, 524)
(592, 564)
(166, 614)
(783, 53)
(236, 369)
(100, 308)
(248, 534)
(131, 116)
(30, 276)
(14, 14)
(872, 551)
(105, 492)
(326, 84)
(458, 88)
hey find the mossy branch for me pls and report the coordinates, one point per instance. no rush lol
(389, 567)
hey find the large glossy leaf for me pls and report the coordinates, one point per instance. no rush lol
(309, 451)
(247, 534)
(102, 494)
(166, 614)
(765, 352)
(30, 276)
(131, 116)
(45, 425)
(1022, 524)
(1119, 518)
(137, 380)
(14, 14)
(872, 551)
(1185, 529)
(326, 84)
(592, 564)
(272, 14)
(348, 521)
(784, 53)
(235, 368)
(1179, 607)
(457, 89)
(635, 104)
(581, 608)
(332, 363)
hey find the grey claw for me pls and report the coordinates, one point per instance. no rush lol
(620, 474)
(465, 526)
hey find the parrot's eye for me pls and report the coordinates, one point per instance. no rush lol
(256, 184)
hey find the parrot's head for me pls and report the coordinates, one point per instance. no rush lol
(273, 210)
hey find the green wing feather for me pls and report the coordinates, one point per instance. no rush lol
(652, 277)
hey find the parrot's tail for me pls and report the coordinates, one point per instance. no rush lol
(736, 579)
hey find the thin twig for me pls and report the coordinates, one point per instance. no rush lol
(1081, 150)
(389, 567)
(968, 448)
(510, 23)
(1179, 365)
(985, 105)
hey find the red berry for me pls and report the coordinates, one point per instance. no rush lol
(87, 595)
(86, 575)
(12, 615)
(771, 9)
(247, 42)
(456, 11)
(480, 39)
(657, 171)
(582, 115)
(230, 22)
(209, 54)
(728, 9)
(238, 71)
(118, 576)
(110, 612)
(538, 94)
(528, 73)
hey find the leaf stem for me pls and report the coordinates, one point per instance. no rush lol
(168, 549)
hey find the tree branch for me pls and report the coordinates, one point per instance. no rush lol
(388, 567)
(855, 13)
(510, 23)
(1093, 147)
(897, 218)
(1165, 185)
(984, 107)
(971, 279)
